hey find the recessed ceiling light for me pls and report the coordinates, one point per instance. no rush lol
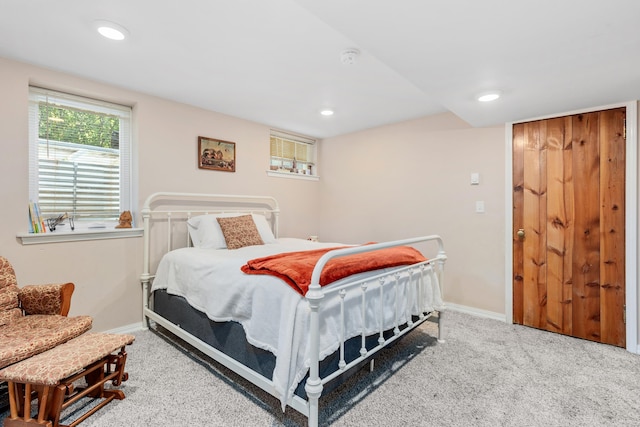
(326, 112)
(111, 30)
(488, 96)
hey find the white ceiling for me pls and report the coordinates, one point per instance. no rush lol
(277, 62)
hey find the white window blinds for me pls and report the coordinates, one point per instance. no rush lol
(80, 156)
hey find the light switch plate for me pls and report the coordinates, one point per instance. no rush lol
(475, 178)
(480, 206)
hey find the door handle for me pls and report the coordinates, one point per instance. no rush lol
(520, 234)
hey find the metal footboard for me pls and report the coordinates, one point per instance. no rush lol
(414, 289)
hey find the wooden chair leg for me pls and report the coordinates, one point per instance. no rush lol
(43, 402)
(27, 402)
(55, 404)
(95, 377)
(120, 362)
(13, 399)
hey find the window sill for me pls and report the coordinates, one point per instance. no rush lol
(292, 175)
(78, 235)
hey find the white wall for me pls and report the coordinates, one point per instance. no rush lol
(106, 272)
(413, 178)
(395, 181)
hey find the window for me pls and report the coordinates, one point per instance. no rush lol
(79, 157)
(293, 154)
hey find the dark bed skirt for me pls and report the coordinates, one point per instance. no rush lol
(230, 338)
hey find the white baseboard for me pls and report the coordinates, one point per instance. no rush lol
(127, 329)
(476, 311)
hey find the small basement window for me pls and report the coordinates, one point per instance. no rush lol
(292, 155)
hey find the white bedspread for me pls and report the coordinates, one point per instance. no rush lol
(274, 316)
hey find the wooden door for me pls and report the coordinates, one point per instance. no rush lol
(569, 225)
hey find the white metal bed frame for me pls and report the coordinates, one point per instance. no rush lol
(171, 213)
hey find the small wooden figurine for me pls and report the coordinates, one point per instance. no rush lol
(125, 220)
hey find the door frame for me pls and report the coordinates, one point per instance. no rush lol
(631, 217)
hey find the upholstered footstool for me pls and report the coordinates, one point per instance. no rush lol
(51, 375)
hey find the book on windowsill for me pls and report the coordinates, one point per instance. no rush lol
(36, 222)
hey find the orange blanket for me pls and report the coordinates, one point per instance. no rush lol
(295, 268)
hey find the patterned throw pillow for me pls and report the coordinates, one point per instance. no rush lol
(240, 231)
(205, 231)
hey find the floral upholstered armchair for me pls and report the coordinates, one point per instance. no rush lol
(34, 319)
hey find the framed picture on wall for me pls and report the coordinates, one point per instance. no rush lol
(216, 154)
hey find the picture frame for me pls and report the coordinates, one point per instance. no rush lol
(216, 154)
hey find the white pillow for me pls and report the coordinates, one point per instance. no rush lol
(263, 228)
(205, 232)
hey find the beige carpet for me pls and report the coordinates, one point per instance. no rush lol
(486, 374)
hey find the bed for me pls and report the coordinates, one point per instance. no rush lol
(293, 316)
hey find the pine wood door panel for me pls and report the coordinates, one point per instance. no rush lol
(569, 227)
(612, 267)
(559, 227)
(568, 176)
(586, 255)
(534, 281)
